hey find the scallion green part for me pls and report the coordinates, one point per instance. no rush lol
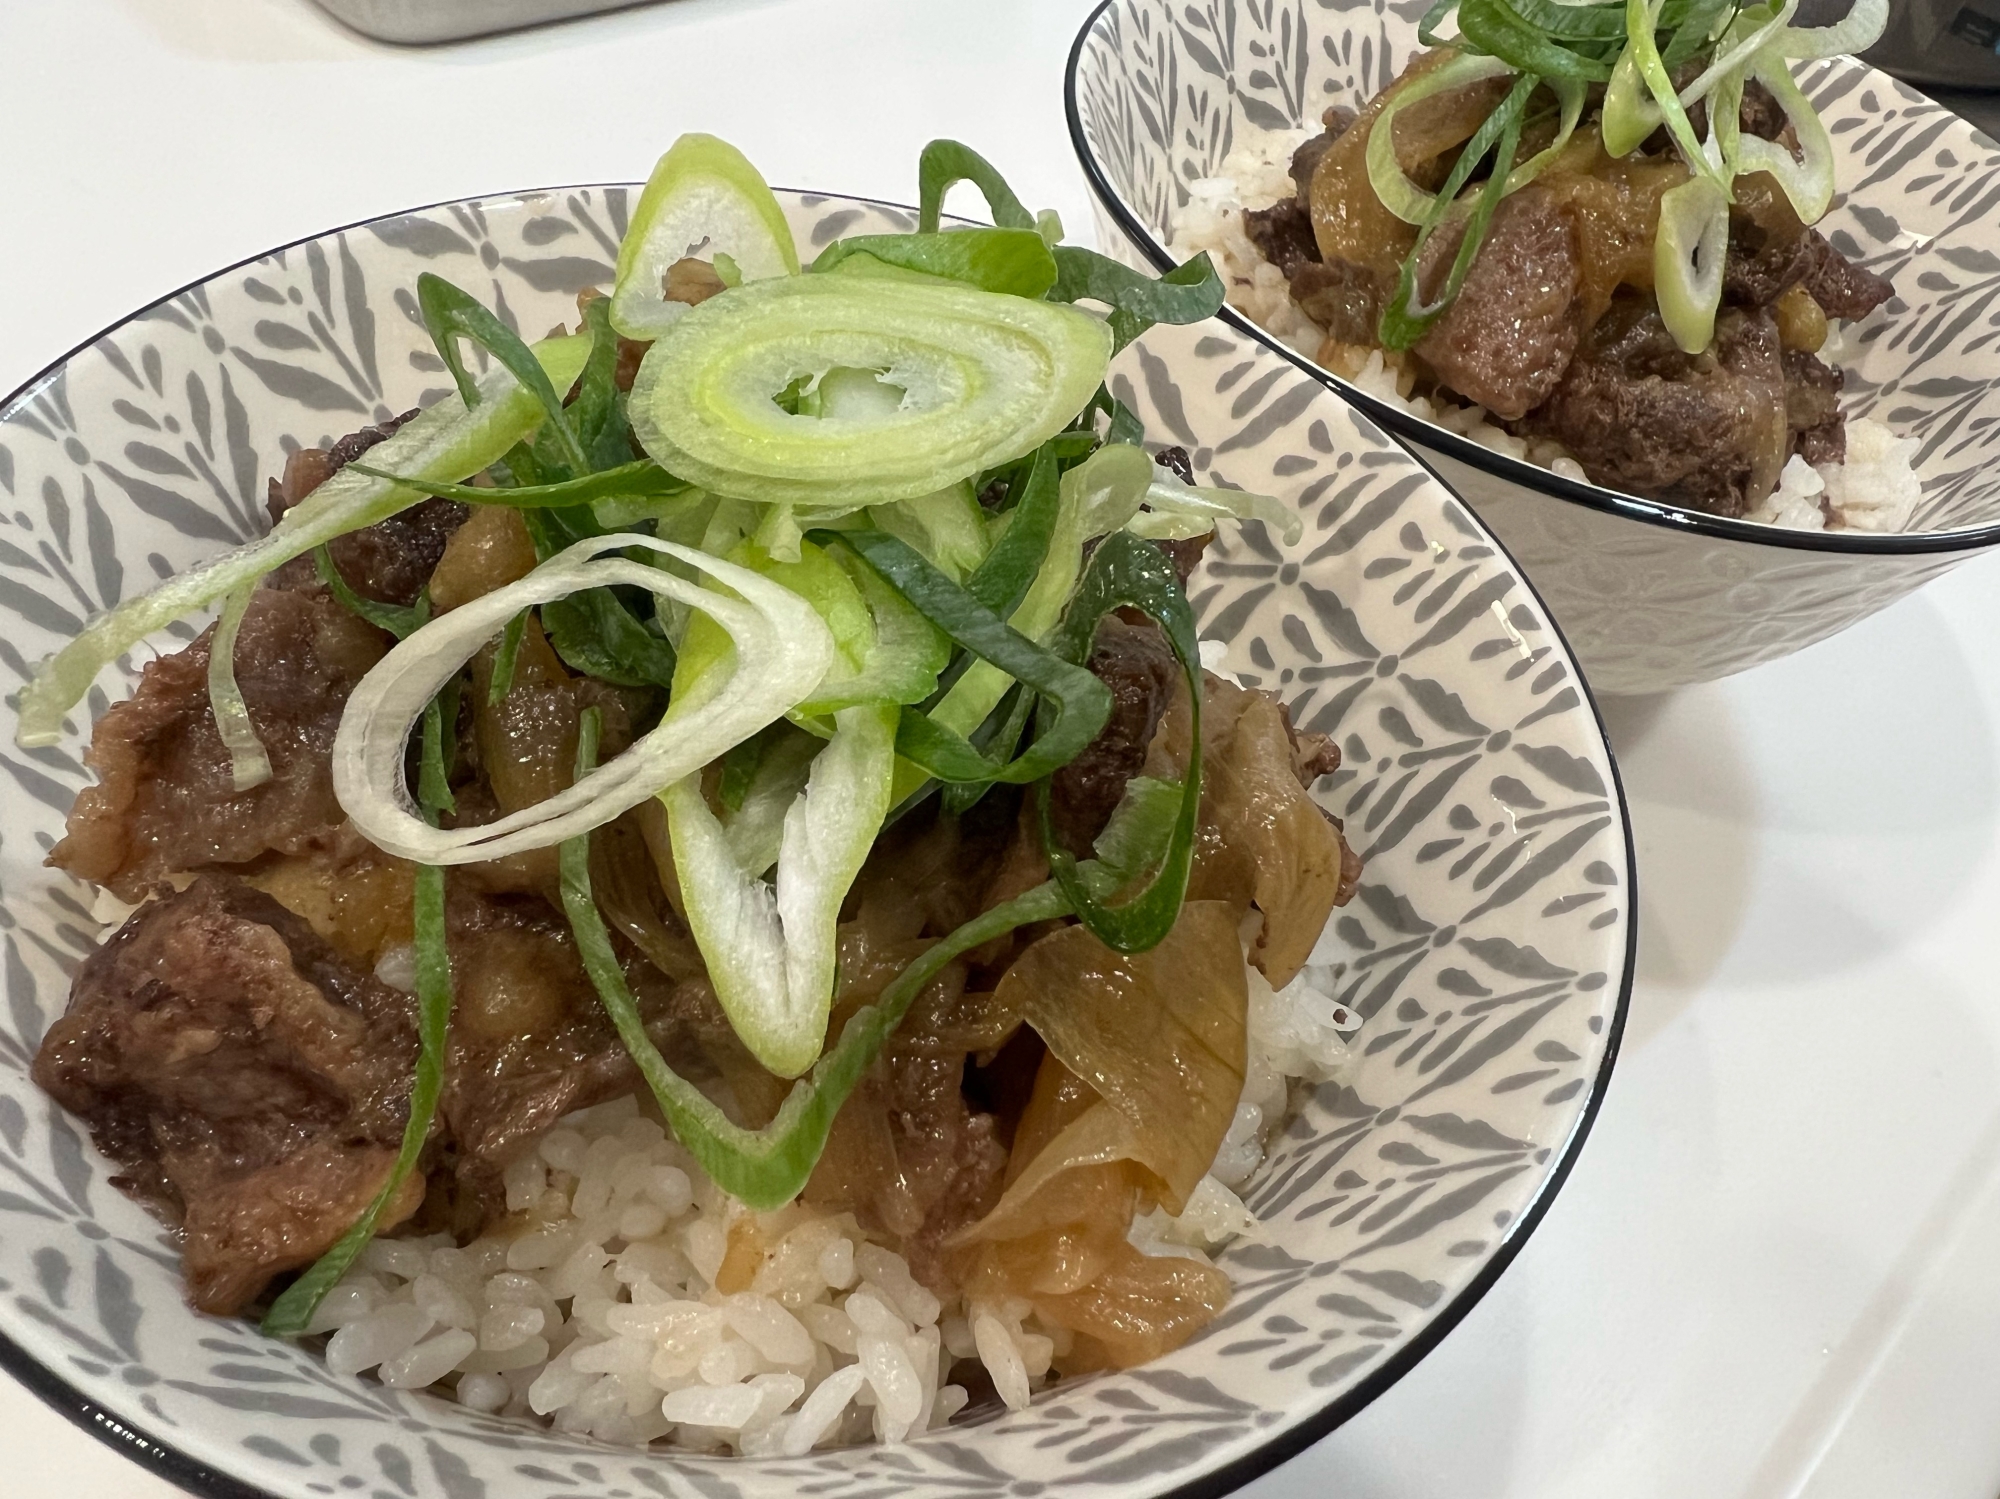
(291, 1314)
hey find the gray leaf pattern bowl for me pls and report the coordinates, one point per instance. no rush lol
(1489, 947)
(1652, 596)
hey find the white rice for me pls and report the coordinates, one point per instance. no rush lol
(594, 1308)
(1875, 489)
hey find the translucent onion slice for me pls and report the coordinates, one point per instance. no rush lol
(771, 950)
(446, 442)
(1401, 196)
(703, 196)
(782, 650)
(986, 378)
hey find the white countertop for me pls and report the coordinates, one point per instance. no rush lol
(1775, 1270)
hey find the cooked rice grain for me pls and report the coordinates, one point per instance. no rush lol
(595, 1305)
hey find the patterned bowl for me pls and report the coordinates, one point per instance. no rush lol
(1490, 944)
(1652, 596)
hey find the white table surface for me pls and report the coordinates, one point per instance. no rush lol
(1775, 1271)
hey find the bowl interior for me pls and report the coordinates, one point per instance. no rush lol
(1490, 944)
(1160, 93)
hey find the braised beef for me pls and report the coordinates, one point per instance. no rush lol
(530, 1041)
(166, 800)
(1843, 289)
(1186, 554)
(246, 1080)
(1343, 298)
(388, 561)
(1818, 430)
(1138, 665)
(1175, 460)
(1706, 431)
(1283, 234)
(1334, 123)
(1760, 114)
(1507, 338)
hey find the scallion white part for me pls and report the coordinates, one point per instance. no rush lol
(249, 765)
(1857, 31)
(771, 949)
(1807, 179)
(985, 378)
(781, 650)
(1688, 253)
(703, 196)
(1168, 496)
(1401, 196)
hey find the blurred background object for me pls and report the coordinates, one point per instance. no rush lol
(453, 20)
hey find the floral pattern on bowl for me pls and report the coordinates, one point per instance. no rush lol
(1490, 945)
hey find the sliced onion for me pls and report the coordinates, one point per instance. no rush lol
(1688, 252)
(986, 379)
(703, 193)
(1808, 182)
(1392, 184)
(249, 765)
(782, 650)
(445, 442)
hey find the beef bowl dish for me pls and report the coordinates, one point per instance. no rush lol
(1691, 307)
(665, 839)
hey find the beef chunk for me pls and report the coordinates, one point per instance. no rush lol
(1185, 554)
(530, 1041)
(389, 561)
(1813, 419)
(1283, 235)
(1343, 298)
(1305, 160)
(1768, 258)
(1138, 665)
(1843, 289)
(1175, 460)
(1705, 431)
(243, 1077)
(166, 800)
(1506, 340)
(1760, 115)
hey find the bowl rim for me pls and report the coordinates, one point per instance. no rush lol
(1415, 433)
(209, 1482)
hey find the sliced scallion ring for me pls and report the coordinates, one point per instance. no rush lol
(984, 379)
(703, 194)
(782, 650)
(1807, 179)
(445, 442)
(1688, 252)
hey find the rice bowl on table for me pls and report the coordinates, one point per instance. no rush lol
(702, 893)
(1709, 355)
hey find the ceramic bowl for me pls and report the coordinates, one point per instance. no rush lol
(1652, 596)
(1490, 944)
